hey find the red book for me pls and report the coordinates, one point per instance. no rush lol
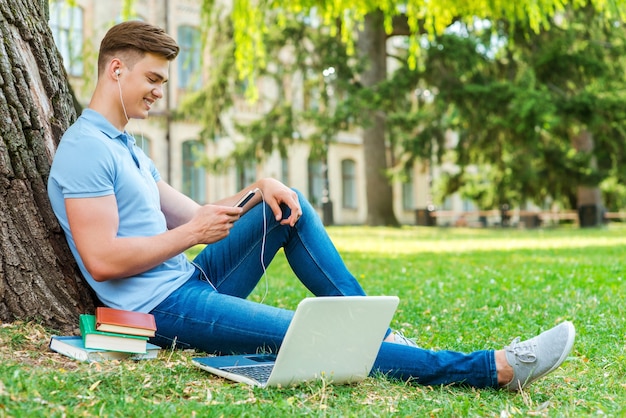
(125, 322)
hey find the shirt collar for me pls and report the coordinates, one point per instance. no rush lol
(101, 123)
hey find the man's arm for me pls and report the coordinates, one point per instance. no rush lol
(177, 207)
(94, 224)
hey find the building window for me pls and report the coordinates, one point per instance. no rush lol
(66, 23)
(246, 174)
(408, 202)
(194, 178)
(241, 87)
(316, 182)
(143, 143)
(348, 184)
(311, 92)
(284, 170)
(189, 58)
(469, 205)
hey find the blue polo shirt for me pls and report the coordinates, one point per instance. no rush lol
(94, 159)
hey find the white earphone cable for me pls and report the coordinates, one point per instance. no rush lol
(262, 258)
(119, 86)
(263, 248)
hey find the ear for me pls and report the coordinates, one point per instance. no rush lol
(115, 68)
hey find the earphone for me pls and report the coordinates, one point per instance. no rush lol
(117, 74)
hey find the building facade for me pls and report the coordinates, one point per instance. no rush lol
(174, 145)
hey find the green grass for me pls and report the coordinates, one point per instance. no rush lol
(460, 289)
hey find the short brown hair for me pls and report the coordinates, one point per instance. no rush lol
(136, 38)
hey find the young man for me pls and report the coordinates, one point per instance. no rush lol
(127, 229)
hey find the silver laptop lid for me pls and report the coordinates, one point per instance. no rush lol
(334, 338)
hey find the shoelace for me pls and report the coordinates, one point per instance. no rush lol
(399, 338)
(524, 352)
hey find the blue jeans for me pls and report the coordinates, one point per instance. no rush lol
(210, 311)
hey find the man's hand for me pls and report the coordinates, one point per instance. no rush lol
(276, 193)
(212, 223)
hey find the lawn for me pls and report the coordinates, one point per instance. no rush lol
(460, 289)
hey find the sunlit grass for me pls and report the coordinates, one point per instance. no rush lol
(460, 289)
(419, 240)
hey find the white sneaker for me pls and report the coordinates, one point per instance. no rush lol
(399, 338)
(538, 356)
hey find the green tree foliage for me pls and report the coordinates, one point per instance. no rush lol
(518, 103)
(300, 54)
(251, 19)
(474, 89)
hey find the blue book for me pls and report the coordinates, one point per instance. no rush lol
(73, 347)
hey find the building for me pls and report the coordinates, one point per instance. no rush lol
(174, 145)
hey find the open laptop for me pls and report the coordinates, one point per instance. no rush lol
(332, 338)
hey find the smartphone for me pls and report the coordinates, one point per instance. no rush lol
(246, 198)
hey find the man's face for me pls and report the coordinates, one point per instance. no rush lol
(143, 85)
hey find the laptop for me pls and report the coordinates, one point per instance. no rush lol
(332, 338)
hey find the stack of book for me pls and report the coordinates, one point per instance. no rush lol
(110, 334)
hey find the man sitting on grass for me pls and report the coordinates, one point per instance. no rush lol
(128, 229)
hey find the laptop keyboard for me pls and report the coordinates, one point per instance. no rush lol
(260, 372)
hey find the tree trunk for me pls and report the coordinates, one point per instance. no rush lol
(372, 46)
(39, 278)
(589, 198)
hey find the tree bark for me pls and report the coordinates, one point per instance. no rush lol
(372, 45)
(39, 278)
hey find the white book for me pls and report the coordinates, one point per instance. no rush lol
(73, 347)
